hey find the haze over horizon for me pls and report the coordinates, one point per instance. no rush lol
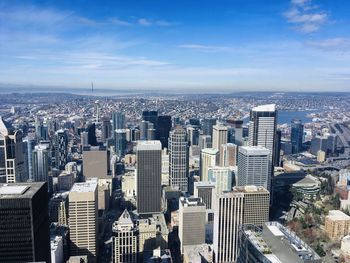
(289, 45)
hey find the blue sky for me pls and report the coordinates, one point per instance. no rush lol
(236, 45)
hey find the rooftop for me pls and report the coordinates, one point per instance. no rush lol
(249, 189)
(89, 186)
(254, 150)
(267, 107)
(198, 253)
(19, 190)
(148, 145)
(210, 151)
(337, 215)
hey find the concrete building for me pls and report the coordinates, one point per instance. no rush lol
(262, 128)
(221, 177)
(65, 181)
(124, 239)
(192, 213)
(209, 157)
(148, 177)
(337, 224)
(219, 135)
(12, 159)
(198, 253)
(228, 154)
(58, 208)
(57, 250)
(178, 159)
(83, 219)
(96, 163)
(24, 231)
(254, 166)
(40, 157)
(129, 185)
(243, 205)
(204, 191)
(273, 243)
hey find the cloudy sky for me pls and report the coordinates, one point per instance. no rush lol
(233, 45)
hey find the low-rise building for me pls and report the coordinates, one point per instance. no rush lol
(337, 224)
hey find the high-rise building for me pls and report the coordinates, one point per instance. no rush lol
(143, 130)
(29, 144)
(118, 121)
(120, 142)
(83, 219)
(237, 128)
(12, 159)
(192, 213)
(149, 172)
(41, 155)
(254, 166)
(209, 157)
(61, 149)
(106, 129)
(228, 154)
(91, 130)
(243, 205)
(207, 126)
(96, 162)
(151, 134)
(219, 135)
(84, 138)
(204, 141)
(178, 159)
(151, 116)
(24, 221)
(262, 128)
(296, 135)
(124, 240)
(273, 243)
(205, 191)
(193, 135)
(163, 130)
(221, 177)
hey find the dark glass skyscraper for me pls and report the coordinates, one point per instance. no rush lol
(151, 116)
(24, 223)
(207, 126)
(296, 137)
(164, 127)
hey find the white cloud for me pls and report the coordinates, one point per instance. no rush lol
(119, 22)
(306, 17)
(206, 48)
(331, 43)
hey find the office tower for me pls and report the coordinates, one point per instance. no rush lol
(61, 148)
(254, 166)
(237, 126)
(96, 162)
(91, 130)
(207, 126)
(204, 191)
(149, 171)
(124, 246)
(193, 135)
(221, 177)
(204, 141)
(273, 243)
(178, 159)
(29, 144)
(228, 154)
(151, 134)
(209, 157)
(243, 205)
(219, 135)
(41, 155)
(192, 214)
(24, 231)
(12, 165)
(151, 116)
(262, 128)
(58, 208)
(65, 181)
(105, 129)
(163, 129)
(84, 138)
(296, 135)
(118, 121)
(83, 219)
(120, 142)
(277, 160)
(143, 130)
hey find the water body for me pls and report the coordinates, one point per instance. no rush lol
(288, 116)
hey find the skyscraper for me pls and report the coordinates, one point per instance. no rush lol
(236, 125)
(83, 219)
(149, 171)
(207, 126)
(12, 165)
(91, 130)
(41, 163)
(193, 135)
(120, 142)
(228, 154)
(219, 135)
(254, 166)
(24, 221)
(163, 129)
(262, 128)
(29, 144)
(243, 205)
(106, 129)
(124, 240)
(151, 116)
(178, 159)
(192, 213)
(209, 157)
(221, 177)
(61, 149)
(296, 137)
(118, 121)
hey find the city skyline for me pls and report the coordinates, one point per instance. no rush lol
(294, 45)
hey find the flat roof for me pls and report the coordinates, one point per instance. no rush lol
(13, 189)
(148, 145)
(338, 215)
(88, 186)
(267, 107)
(19, 190)
(254, 150)
(275, 231)
(210, 150)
